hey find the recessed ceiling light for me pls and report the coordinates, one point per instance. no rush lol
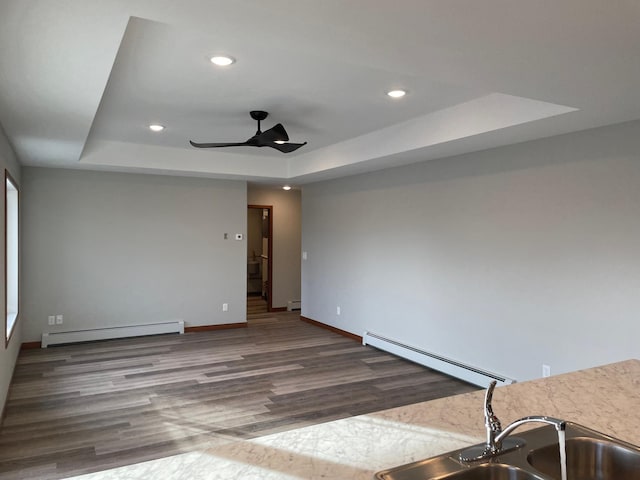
(286, 187)
(397, 93)
(279, 142)
(156, 128)
(222, 60)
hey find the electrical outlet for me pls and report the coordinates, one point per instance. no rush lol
(304, 255)
(546, 370)
(225, 307)
(52, 319)
(59, 319)
(338, 310)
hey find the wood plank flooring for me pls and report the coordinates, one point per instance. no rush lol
(256, 305)
(89, 407)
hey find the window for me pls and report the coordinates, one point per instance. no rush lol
(10, 254)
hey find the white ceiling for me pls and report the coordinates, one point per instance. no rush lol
(80, 80)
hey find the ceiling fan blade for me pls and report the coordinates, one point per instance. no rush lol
(277, 132)
(275, 137)
(214, 145)
(286, 147)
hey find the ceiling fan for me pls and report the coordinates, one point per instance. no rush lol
(275, 137)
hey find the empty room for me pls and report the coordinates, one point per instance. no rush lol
(298, 240)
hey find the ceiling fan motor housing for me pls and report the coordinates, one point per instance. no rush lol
(258, 114)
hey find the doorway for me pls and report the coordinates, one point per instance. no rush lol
(259, 258)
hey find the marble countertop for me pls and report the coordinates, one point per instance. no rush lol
(604, 398)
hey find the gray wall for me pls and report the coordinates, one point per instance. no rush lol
(286, 239)
(504, 259)
(8, 353)
(106, 249)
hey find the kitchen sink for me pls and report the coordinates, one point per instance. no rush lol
(591, 455)
(588, 458)
(493, 471)
(487, 471)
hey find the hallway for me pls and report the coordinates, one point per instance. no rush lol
(256, 305)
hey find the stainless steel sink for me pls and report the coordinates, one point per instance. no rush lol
(487, 471)
(590, 456)
(493, 471)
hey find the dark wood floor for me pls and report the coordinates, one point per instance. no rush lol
(256, 305)
(89, 407)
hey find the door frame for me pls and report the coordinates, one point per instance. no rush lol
(269, 254)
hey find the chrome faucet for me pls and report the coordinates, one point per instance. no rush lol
(491, 421)
(497, 441)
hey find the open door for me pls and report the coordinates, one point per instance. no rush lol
(259, 257)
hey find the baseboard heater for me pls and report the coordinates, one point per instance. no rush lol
(454, 368)
(294, 305)
(88, 335)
